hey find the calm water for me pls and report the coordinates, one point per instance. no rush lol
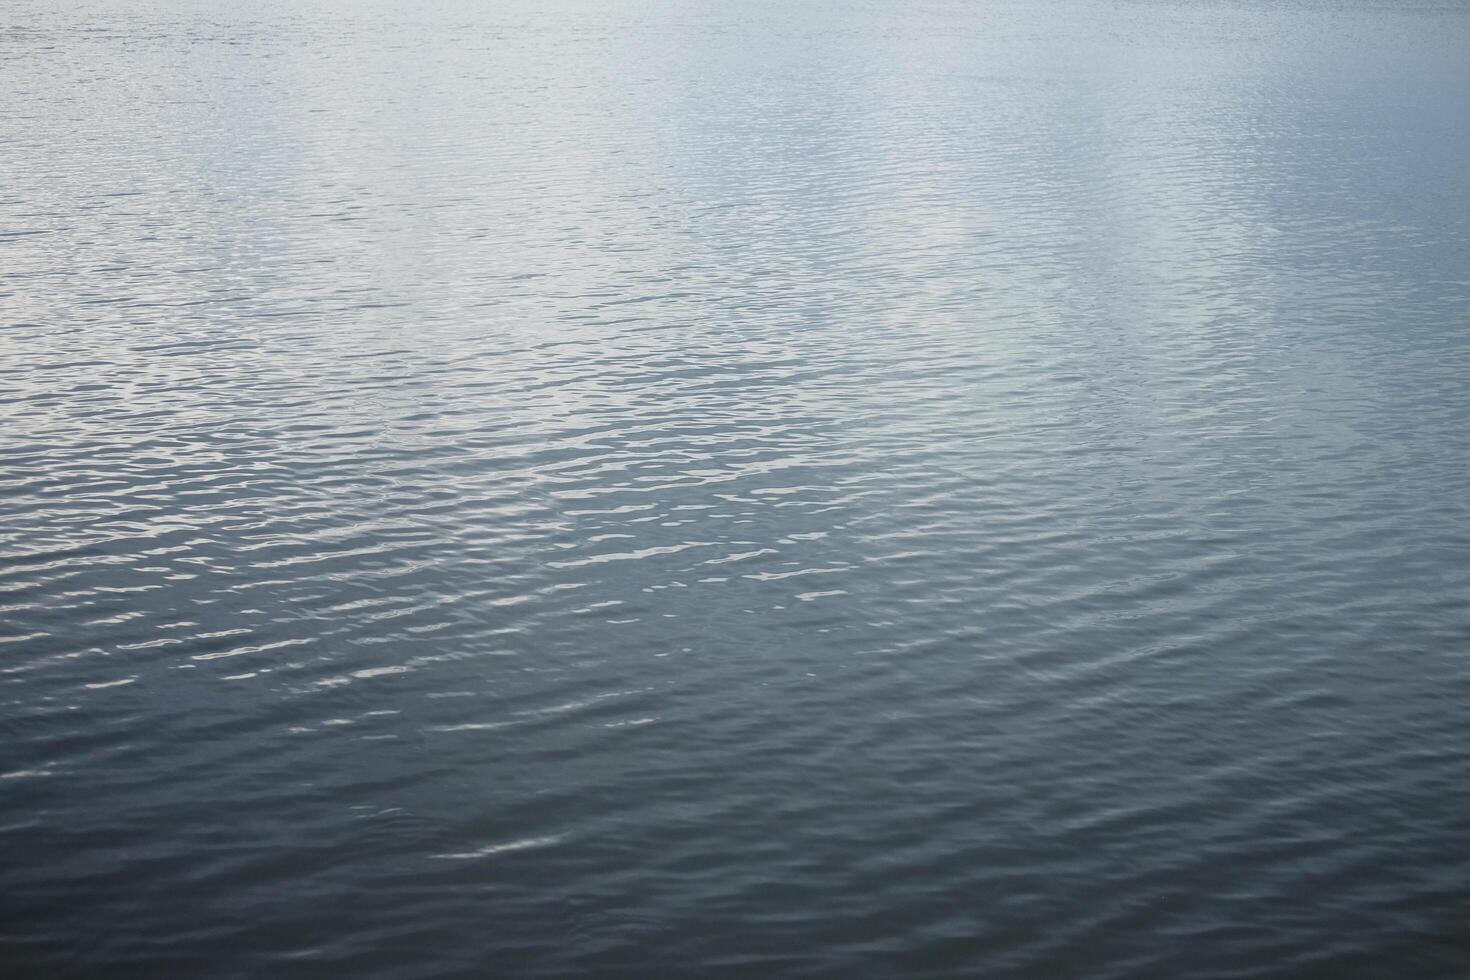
(752, 489)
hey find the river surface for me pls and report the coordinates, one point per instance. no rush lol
(757, 489)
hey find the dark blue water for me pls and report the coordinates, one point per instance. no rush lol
(746, 489)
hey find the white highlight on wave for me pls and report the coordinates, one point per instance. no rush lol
(491, 849)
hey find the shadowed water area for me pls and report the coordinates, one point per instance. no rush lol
(748, 489)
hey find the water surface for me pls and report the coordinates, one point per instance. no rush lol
(750, 489)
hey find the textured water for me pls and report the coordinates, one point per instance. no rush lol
(927, 489)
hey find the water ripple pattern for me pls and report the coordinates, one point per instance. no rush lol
(750, 489)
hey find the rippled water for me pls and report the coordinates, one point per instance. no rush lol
(934, 489)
